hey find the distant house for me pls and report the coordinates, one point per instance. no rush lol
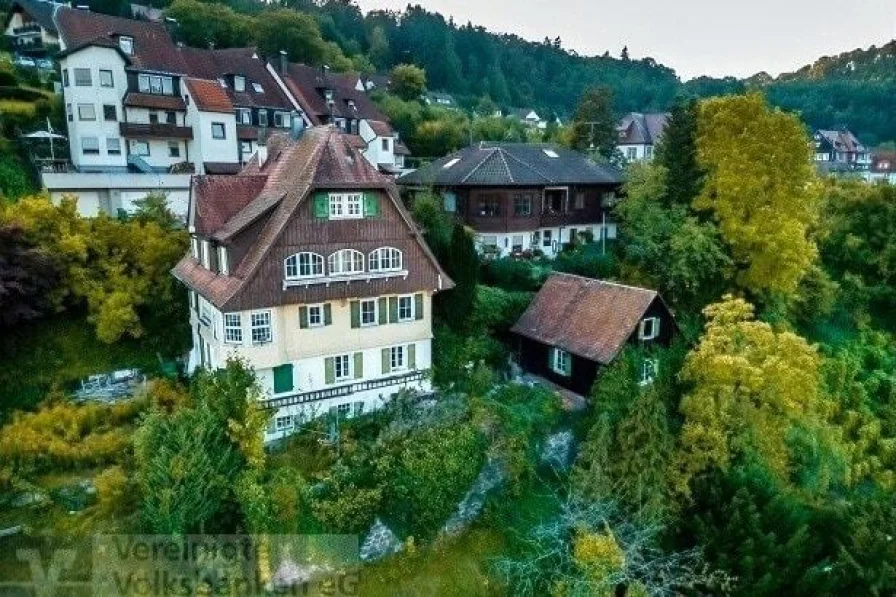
(30, 26)
(530, 118)
(883, 167)
(840, 150)
(439, 98)
(368, 83)
(639, 133)
(521, 197)
(576, 326)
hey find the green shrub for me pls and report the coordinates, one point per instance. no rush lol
(513, 274)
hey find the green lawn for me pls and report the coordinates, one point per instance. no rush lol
(57, 352)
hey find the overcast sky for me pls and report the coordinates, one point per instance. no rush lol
(695, 37)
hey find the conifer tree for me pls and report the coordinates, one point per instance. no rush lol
(677, 153)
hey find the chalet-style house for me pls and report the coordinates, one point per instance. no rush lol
(144, 113)
(839, 151)
(523, 198)
(883, 167)
(30, 28)
(307, 265)
(639, 133)
(575, 326)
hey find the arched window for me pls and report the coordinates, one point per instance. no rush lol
(346, 262)
(385, 259)
(303, 265)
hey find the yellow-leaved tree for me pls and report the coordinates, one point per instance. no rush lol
(760, 185)
(751, 384)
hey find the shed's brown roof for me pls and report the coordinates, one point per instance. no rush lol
(209, 96)
(586, 317)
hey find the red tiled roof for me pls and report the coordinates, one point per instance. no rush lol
(222, 206)
(380, 128)
(308, 83)
(155, 102)
(209, 96)
(884, 161)
(153, 48)
(219, 198)
(223, 63)
(586, 317)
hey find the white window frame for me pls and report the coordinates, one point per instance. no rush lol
(389, 255)
(653, 323)
(262, 117)
(410, 309)
(90, 145)
(262, 331)
(397, 359)
(88, 82)
(111, 81)
(205, 253)
(318, 312)
(345, 262)
(194, 247)
(346, 206)
(561, 362)
(239, 83)
(136, 148)
(81, 115)
(205, 311)
(113, 145)
(295, 263)
(649, 370)
(345, 362)
(376, 313)
(143, 85)
(243, 116)
(223, 265)
(233, 328)
(219, 126)
(126, 43)
(283, 423)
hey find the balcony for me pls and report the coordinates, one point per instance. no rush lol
(344, 390)
(158, 130)
(347, 279)
(29, 29)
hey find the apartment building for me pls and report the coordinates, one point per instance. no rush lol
(307, 265)
(145, 113)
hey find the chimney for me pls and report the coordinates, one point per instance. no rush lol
(284, 63)
(297, 126)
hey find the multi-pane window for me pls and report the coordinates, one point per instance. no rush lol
(86, 112)
(106, 78)
(649, 329)
(561, 362)
(546, 238)
(243, 116)
(155, 84)
(233, 328)
(341, 367)
(346, 205)
(82, 77)
(304, 265)
(315, 316)
(405, 308)
(113, 145)
(522, 205)
(262, 118)
(261, 327)
(282, 119)
(385, 259)
(368, 312)
(489, 206)
(346, 262)
(344, 410)
(90, 145)
(218, 130)
(631, 153)
(396, 358)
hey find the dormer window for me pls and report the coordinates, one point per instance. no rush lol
(126, 43)
(239, 83)
(450, 163)
(328, 95)
(223, 265)
(222, 83)
(351, 104)
(257, 88)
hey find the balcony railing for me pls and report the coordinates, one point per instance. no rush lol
(30, 29)
(344, 390)
(158, 130)
(328, 280)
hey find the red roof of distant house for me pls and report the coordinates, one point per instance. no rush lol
(209, 96)
(586, 317)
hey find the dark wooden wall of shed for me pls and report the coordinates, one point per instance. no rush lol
(534, 357)
(306, 233)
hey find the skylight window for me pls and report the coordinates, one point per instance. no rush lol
(550, 153)
(451, 162)
(257, 88)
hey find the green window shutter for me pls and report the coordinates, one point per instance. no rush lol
(303, 317)
(371, 205)
(283, 378)
(322, 206)
(329, 370)
(412, 356)
(387, 363)
(393, 309)
(569, 366)
(418, 305)
(356, 314)
(359, 365)
(383, 306)
(328, 314)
